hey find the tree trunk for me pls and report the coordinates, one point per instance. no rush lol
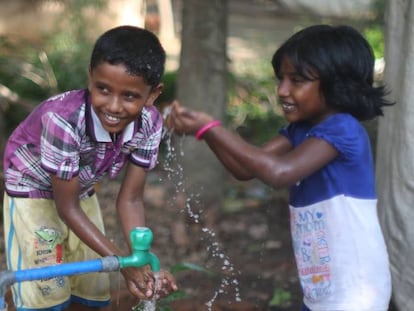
(395, 151)
(167, 28)
(201, 84)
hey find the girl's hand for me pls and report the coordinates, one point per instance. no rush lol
(186, 121)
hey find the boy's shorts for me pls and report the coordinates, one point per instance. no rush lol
(35, 236)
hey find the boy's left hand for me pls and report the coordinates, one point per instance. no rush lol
(166, 284)
(141, 283)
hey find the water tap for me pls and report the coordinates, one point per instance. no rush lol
(141, 239)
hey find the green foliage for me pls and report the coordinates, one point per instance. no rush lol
(25, 71)
(374, 31)
(281, 298)
(69, 61)
(168, 94)
(59, 63)
(375, 37)
(253, 109)
(190, 266)
(70, 47)
(23, 68)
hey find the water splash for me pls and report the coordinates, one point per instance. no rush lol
(175, 173)
(229, 279)
(119, 289)
(145, 305)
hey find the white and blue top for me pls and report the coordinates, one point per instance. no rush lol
(340, 251)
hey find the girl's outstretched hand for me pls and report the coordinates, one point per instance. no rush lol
(184, 120)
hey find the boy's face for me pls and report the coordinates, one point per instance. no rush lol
(118, 97)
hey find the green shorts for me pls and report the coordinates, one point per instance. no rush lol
(35, 236)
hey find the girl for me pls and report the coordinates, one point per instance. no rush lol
(325, 87)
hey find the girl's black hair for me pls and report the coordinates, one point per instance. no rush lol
(139, 50)
(343, 61)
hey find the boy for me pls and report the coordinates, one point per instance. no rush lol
(55, 157)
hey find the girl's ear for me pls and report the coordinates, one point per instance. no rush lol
(155, 92)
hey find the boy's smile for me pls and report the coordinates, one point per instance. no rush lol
(118, 97)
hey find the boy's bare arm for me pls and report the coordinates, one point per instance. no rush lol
(66, 196)
(130, 204)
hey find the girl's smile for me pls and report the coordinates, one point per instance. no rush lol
(288, 107)
(299, 96)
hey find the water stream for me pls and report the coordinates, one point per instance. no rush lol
(194, 210)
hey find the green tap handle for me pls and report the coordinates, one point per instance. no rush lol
(141, 239)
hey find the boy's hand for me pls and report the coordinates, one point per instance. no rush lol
(140, 281)
(166, 284)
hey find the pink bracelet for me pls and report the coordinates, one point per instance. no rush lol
(205, 128)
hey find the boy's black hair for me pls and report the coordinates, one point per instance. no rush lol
(343, 61)
(139, 50)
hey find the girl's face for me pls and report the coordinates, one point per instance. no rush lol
(118, 97)
(301, 99)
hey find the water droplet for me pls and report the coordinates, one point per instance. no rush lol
(193, 209)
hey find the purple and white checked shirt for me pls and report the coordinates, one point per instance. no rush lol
(63, 136)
